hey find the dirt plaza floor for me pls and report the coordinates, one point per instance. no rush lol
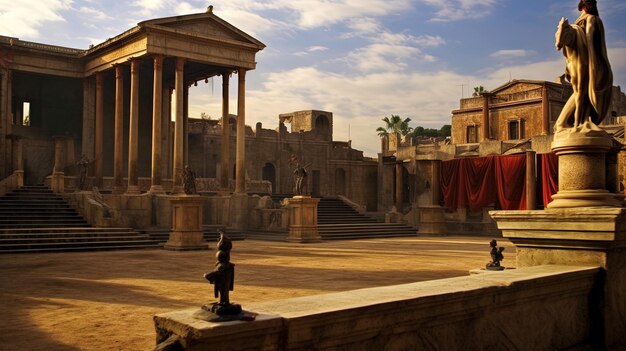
(106, 300)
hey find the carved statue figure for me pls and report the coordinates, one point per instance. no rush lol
(223, 279)
(300, 180)
(496, 256)
(189, 181)
(83, 165)
(587, 68)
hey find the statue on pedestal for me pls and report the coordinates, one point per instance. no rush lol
(189, 181)
(496, 257)
(587, 69)
(223, 279)
(83, 168)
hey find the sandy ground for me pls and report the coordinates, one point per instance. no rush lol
(105, 300)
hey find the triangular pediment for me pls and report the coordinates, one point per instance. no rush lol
(517, 86)
(206, 25)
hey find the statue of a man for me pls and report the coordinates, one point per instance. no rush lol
(300, 180)
(83, 165)
(588, 68)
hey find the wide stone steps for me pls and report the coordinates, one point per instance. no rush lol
(34, 219)
(210, 234)
(337, 220)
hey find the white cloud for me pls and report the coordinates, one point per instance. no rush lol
(455, 10)
(24, 19)
(310, 49)
(93, 14)
(510, 54)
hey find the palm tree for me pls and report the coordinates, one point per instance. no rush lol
(479, 90)
(394, 124)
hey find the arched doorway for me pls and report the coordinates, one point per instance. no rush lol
(322, 125)
(269, 174)
(340, 181)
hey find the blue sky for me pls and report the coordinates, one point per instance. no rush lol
(361, 59)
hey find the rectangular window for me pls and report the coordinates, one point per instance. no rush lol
(514, 130)
(472, 134)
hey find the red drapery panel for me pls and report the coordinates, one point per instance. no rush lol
(549, 176)
(478, 182)
(510, 176)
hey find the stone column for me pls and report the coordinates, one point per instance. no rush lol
(133, 132)
(178, 129)
(545, 109)
(166, 133)
(57, 183)
(17, 161)
(485, 127)
(118, 149)
(157, 116)
(87, 147)
(399, 200)
(186, 125)
(240, 181)
(531, 180)
(224, 158)
(99, 125)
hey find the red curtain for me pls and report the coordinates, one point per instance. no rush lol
(478, 182)
(549, 176)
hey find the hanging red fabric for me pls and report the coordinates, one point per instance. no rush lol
(481, 181)
(510, 174)
(549, 176)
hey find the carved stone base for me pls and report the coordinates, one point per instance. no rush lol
(57, 182)
(432, 221)
(582, 170)
(303, 219)
(186, 231)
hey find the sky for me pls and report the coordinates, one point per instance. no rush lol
(360, 59)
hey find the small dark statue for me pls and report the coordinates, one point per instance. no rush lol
(189, 181)
(83, 168)
(496, 257)
(223, 279)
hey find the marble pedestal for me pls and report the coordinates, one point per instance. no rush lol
(582, 168)
(578, 237)
(432, 221)
(57, 182)
(186, 233)
(303, 219)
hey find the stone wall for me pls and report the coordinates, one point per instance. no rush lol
(540, 308)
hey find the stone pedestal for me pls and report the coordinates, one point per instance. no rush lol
(57, 182)
(578, 237)
(582, 172)
(432, 221)
(303, 219)
(186, 231)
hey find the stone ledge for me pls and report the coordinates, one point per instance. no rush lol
(549, 298)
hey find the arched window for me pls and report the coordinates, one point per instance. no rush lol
(322, 124)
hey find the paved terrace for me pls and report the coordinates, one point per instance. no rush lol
(106, 300)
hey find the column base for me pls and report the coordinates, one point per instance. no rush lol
(156, 189)
(585, 198)
(133, 190)
(178, 190)
(432, 221)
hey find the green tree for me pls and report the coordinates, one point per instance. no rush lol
(395, 124)
(445, 131)
(478, 91)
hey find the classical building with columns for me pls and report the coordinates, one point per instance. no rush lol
(113, 101)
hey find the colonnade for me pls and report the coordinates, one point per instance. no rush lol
(179, 156)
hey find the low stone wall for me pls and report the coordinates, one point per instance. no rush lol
(534, 308)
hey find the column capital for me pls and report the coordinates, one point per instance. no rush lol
(99, 78)
(158, 61)
(134, 65)
(180, 63)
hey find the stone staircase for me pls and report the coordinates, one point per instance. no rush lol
(337, 220)
(210, 233)
(34, 219)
